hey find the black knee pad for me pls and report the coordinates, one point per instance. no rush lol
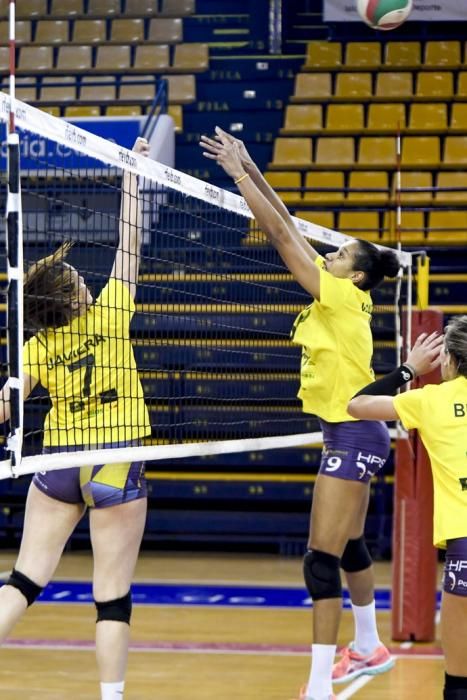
(118, 609)
(322, 575)
(455, 687)
(356, 556)
(28, 588)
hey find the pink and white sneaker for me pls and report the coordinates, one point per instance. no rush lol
(353, 664)
(303, 696)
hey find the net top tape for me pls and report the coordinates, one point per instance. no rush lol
(61, 131)
(60, 460)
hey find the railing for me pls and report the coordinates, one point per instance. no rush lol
(158, 107)
(275, 26)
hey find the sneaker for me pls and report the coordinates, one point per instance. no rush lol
(303, 696)
(353, 664)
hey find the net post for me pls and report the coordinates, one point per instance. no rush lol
(14, 301)
(414, 557)
(14, 228)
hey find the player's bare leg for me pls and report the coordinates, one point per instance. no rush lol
(48, 524)
(116, 534)
(330, 534)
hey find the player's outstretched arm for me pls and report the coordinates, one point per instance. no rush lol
(28, 383)
(375, 401)
(282, 236)
(127, 257)
(211, 149)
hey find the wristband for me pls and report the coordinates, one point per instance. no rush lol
(411, 369)
(389, 384)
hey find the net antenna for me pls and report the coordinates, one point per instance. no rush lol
(191, 221)
(14, 266)
(403, 344)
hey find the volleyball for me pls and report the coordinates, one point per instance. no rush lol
(384, 14)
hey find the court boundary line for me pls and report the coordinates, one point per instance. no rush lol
(356, 685)
(199, 648)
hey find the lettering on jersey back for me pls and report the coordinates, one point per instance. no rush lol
(92, 342)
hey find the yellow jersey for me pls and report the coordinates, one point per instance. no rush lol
(439, 412)
(337, 347)
(89, 370)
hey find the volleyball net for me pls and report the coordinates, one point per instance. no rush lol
(214, 307)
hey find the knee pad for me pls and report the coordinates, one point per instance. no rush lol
(118, 609)
(322, 575)
(28, 588)
(356, 556)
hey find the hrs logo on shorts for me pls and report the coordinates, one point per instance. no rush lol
(366, 463)
(453, 567)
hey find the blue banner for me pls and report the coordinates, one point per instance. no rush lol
(39, 153)
(199, 594)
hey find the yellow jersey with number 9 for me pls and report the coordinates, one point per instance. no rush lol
(89, 370)
(337, 347)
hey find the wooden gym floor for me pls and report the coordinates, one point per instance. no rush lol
(182, 652)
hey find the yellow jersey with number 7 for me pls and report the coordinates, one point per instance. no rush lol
(88, 368)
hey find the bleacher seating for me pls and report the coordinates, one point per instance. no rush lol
(66, 8)
(303, 119)
(86, 40)
(324, 188)
(366, 93)
(365, 55)
(384, 118)
(345, 118)
(360, 224)
(412, 227)
(413, 179)
(280, 181)
(366, 181)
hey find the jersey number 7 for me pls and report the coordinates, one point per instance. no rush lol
(105, 396)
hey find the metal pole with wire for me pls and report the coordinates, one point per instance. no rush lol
(398, 236)
(14, 267)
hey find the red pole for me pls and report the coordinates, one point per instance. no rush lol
(414, 557)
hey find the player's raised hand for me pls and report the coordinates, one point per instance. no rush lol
(225, 152)
(244, 155)
(425, 355)
(211, 148)
(141, 146)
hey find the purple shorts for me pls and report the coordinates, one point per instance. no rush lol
(98, 486)
(354, 450)
(455, 568)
